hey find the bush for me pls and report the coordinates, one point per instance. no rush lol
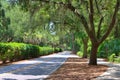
(111, 58)
(108, 48)
(80, 54)
(114, 58)
(18, 51)
(117, 60)
(57, 50)
(45, 50)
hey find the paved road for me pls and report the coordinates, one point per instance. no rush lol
(113, 72)
(35, 69)
(40, 68)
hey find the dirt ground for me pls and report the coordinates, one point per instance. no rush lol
(77, 69)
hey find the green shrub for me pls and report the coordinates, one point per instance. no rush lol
(3, 58)
(109, 47)
(10, 55)
(45, 50)
(114, 58)
(80, 54)
(57, 50)
(117, 60)
(18, 51)
(111, 58)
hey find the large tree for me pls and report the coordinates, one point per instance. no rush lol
(89, 25)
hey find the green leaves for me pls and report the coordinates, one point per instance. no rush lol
(4, 24)
(17, 51)
(109, 47)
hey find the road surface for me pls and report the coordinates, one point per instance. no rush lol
(34, 69)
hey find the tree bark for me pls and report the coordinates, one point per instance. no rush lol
(93, 54)
(117, 28)
(73, 44)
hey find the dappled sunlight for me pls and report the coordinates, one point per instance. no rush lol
(101, 61)
(65, 54)
(77, 68)
(113, 72)
(21, 77)
(29, 62)
(38, 68)
(75, 62)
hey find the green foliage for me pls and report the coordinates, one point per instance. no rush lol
(17, 51)
(45, 50)
(110, 50)
(114, 58)
(117, 60)
(80, 54)
(111, 57)
(57, 50)
(19, 22)
(109, 47)
(4, 24)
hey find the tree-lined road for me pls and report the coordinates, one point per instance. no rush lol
(40, 68)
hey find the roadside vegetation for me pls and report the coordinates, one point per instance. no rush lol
(21, 51)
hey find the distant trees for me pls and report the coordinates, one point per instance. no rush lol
(5, 32)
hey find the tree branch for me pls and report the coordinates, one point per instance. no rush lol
(97, 7)
(99, 27)
(112, 22)
(92, 27)
(73, 9)
(82, 18)
(91, 15)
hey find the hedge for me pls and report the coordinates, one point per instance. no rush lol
(18, 51)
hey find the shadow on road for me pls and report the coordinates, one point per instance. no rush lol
(36, 69)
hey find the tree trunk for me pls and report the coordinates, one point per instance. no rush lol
(93, 55)
(116, 31)
(85, 44)
(73, 44)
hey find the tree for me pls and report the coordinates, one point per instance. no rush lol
(116, 30)
(90, 28)
(4, 26)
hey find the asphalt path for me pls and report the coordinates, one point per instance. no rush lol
(40, 68)
(112, 73)
(34, 69)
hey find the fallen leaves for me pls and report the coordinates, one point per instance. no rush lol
(77, 69)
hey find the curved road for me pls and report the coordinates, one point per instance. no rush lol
(34, 69)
